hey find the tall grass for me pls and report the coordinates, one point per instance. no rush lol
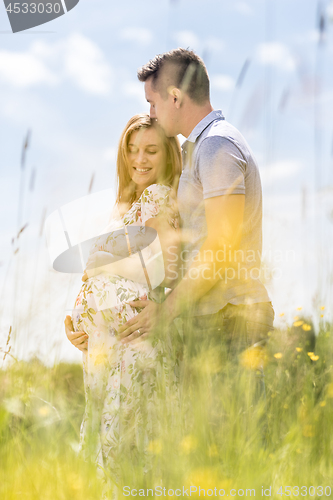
(283, 440)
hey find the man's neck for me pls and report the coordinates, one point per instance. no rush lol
(193, 115)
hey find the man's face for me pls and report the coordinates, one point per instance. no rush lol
(164, 111)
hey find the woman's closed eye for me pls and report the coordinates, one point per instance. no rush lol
(132, 149)
(152, 149)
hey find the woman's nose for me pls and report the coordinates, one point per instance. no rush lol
(141, 158)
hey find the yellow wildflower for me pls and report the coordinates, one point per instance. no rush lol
(322, 308)
(253, 358)
(299, 349)
(306, 327)
(321, 315)
(281, 315)
(75, 481)
(310, 354)
(205, 477)
(299, 308)
(298, 323)
(188, 444)
(308, 431)
(44, 411)
(100, 359)
(314, 358)
(155, 446)
(278, 355)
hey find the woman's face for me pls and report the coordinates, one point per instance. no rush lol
(146, 157)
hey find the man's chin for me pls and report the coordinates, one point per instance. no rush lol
(169, 133)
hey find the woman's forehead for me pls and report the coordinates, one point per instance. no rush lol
(145, 136)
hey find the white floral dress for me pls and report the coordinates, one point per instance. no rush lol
(121, 380)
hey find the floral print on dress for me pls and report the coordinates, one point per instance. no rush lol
(119, 378)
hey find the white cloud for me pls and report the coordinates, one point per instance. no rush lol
(276, 54)
(307, 37)
(133, 89)
(215, 44)
(243, 8)
(75, 58)
(280, 170)
(86, 66)
(222, 82)
(187, 39)
(136, 90)
(110, 154)
(138, 35)
(330, 11)
(24, 69)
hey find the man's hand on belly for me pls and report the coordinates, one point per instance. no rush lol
(144, 324)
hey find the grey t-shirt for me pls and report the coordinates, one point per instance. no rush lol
(218, 161)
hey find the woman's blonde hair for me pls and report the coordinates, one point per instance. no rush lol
(173, 168)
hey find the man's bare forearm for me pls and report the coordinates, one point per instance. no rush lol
(202, 275)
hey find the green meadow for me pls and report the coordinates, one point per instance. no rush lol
(278, 446)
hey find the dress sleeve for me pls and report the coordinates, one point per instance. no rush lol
(156, 200)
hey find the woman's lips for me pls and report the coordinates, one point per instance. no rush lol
(142, 170)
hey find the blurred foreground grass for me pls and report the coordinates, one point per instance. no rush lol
(41, 409)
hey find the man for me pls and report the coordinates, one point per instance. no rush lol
(220, 205)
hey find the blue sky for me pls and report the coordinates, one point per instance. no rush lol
(72, 82)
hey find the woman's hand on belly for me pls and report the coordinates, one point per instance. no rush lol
(78, 339)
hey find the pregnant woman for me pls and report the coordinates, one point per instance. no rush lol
(122, 380)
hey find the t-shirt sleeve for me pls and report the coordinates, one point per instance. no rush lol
(221, 167)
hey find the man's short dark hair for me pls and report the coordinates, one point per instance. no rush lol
(180, 68)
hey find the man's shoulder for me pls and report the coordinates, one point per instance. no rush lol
(225, 130)
(222, 134)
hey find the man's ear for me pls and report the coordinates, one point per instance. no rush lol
(177, 96)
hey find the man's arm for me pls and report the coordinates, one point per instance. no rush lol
(224, 216)
(170, 244)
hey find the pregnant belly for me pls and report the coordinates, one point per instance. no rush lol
(105, 294)
(100, 308)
